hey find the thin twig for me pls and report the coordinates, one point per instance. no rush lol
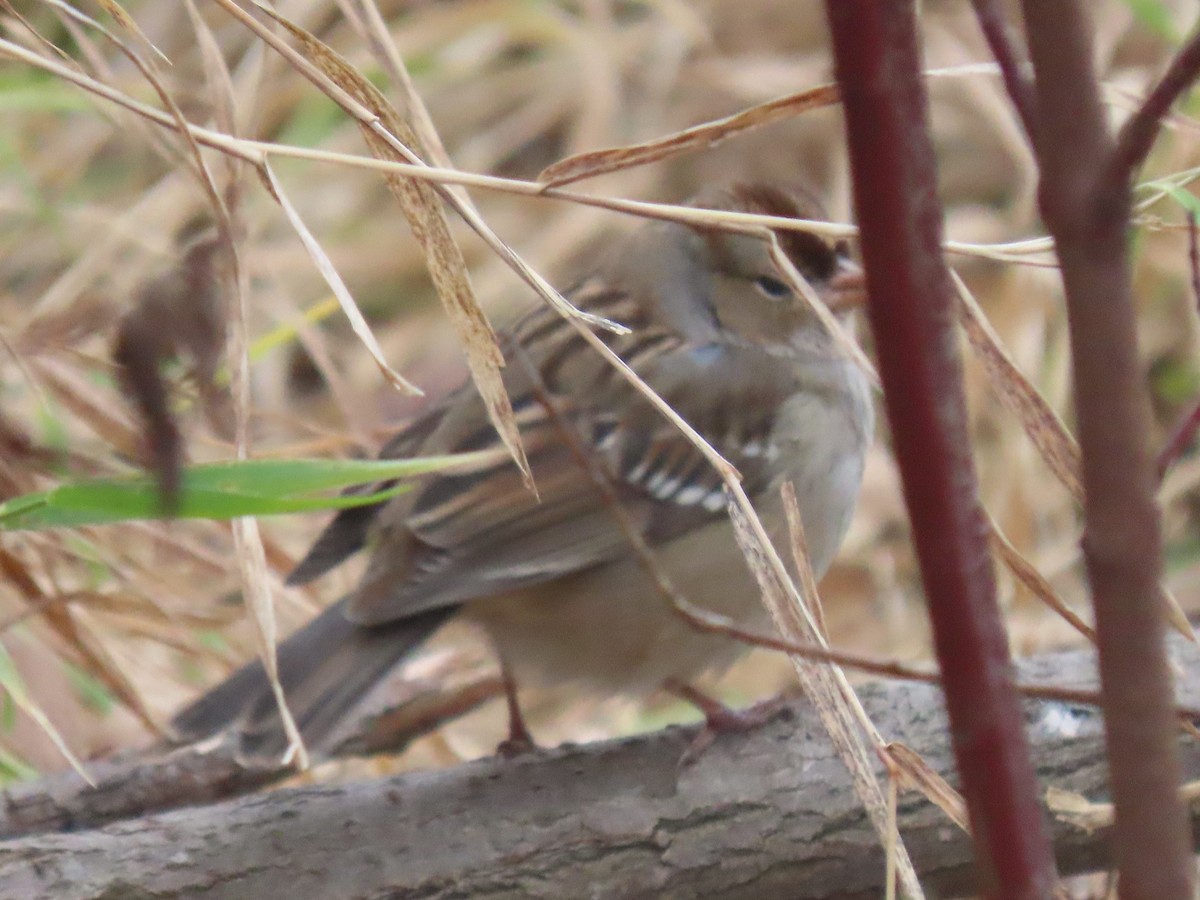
(1185, 429)
(1138, 133)
(1194, 257)
(1181, 437)
(997, 31)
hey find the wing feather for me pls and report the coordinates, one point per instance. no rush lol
(482, 534)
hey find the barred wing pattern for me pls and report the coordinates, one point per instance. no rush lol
(481, 533)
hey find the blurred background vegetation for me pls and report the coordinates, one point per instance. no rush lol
(93, 202)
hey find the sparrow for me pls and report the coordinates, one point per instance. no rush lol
(721, 335)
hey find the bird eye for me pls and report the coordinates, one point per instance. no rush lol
(772, 287)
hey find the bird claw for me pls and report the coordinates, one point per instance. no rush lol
(720, 719)
(516, 746)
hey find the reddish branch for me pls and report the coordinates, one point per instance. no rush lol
(1085, 202)
(1181, 436)
(1012, 62)
(1138, 134)
(911, 311)
(1185, 429)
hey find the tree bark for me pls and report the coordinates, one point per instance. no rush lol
(768, 813)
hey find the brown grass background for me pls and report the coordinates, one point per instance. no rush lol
(92, 202)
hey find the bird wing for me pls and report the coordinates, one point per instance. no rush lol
(484, 533)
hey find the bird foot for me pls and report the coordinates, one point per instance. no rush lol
(516, 745)
(519, 741)
(720, 719)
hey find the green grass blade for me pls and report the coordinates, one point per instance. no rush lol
(257, 487)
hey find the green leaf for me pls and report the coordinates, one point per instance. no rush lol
(256, 487)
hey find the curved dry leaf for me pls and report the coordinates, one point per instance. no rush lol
(1028, 575)
(914, 773)
(613, 159)
(1078, 810)
(1052, 440)
(708, 134)
(1047, 431)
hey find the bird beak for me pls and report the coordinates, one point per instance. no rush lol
(847, 287)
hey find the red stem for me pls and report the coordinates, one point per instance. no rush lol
(1085, 201)
(1012, 62)
(1138, 134)
(1183, 435)
(1185, 429)
(911, 311)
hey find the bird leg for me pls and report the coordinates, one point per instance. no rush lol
(519, 740)
(719, 718)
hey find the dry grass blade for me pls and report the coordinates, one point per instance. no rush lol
(220, 83)
(1176, 617)
(78, 394)
(99, 180)
(913, 772)
(808, 584)
(71, 16)
(821, 682)
(1090, 815)
(423, 209)
(1037, 584)
(36, 35)
(893, 798)
(10, 681)
(76, 635)
(708, 134)
(384, 49)
(247, 539)
(329, 272)
(1013, 389)
(127, 22)
(1078, 810)
(1055, 444)
(253, 564)
(255, 151)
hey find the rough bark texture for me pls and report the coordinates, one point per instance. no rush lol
(770, 813)
(157, 779)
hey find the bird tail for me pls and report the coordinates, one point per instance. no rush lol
(325, 668)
